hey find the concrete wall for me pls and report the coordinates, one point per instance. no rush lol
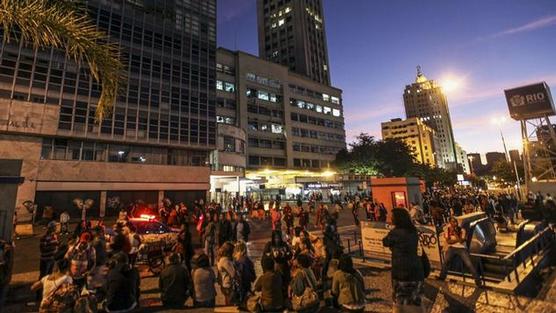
(382, 189)
(28, 149)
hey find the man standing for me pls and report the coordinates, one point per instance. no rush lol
(48, 249)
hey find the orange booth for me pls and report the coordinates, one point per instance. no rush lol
(396, 192)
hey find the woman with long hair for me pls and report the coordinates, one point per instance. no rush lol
(280, 252)
(245, 268)
(407, 269)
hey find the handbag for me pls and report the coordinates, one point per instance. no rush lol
(308, 299)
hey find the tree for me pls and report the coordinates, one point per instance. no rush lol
(505, 173)
(65, 25)
(368, 156)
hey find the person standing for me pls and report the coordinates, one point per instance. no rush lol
(82, 259)
(241, 229)
(184, 245)
(174, 283)
(382, 213)
(288, 218)
(227, 273)
(64, 222)
(210, 238)
(281, 253)
(246, 269)
(48, 248)
(407, 268)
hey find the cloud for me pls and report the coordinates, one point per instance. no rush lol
(534, 25)
(363, 113)
(474, 94)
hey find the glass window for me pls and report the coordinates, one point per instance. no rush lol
(229, 87)
(301, 104)
(327, 110)
(318, 108)
(229, 144)
(277, 129)
(335, 100)
(262, 95)
(325, 97)
(336, 112)
(219, 85)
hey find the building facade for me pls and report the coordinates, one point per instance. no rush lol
(290, 122)
(292, 33)
(463, 160)
(493, 157)
(425, 100)
(157, 140)
(515, 156)
(416, 134)
(475, 163)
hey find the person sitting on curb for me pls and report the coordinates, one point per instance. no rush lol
(455, 245)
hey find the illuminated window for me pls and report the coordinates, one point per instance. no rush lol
(219, 85)
(229, 87)
(277, 129)
(327, 110)
(263, 95)
(281, 22)
(336, 112)
(335, 100)
(325, 97)
(318, 108)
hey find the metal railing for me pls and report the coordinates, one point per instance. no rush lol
(527, 251)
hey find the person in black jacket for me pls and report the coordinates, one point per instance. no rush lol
(241, 229)
(122, 285)
(224, 230)
(407, 269)
(174, 283)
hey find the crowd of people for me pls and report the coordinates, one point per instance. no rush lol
(93, 267)
(96, 267)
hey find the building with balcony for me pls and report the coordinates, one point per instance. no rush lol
(156, 142)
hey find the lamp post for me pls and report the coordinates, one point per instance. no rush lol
(499, 121)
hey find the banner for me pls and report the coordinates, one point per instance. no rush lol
(372, 234)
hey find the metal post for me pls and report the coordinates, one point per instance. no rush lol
(526, 156)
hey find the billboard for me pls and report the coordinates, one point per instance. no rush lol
(372, 234)
(531, 101)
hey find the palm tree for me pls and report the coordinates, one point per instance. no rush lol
(65, 25)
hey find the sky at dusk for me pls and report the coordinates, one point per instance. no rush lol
(374, 47)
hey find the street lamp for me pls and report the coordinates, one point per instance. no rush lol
(499, 121)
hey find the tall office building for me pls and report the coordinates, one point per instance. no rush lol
(425, 99)
(292, 33)
(156, 142)
(274, 124)
(463, 160)
(475, 163)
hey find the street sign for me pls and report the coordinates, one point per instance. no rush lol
(372, 234)
(531, 101)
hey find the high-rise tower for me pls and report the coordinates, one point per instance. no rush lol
(292, 33)
(425, 99)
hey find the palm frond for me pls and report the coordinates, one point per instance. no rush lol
(60, 24)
